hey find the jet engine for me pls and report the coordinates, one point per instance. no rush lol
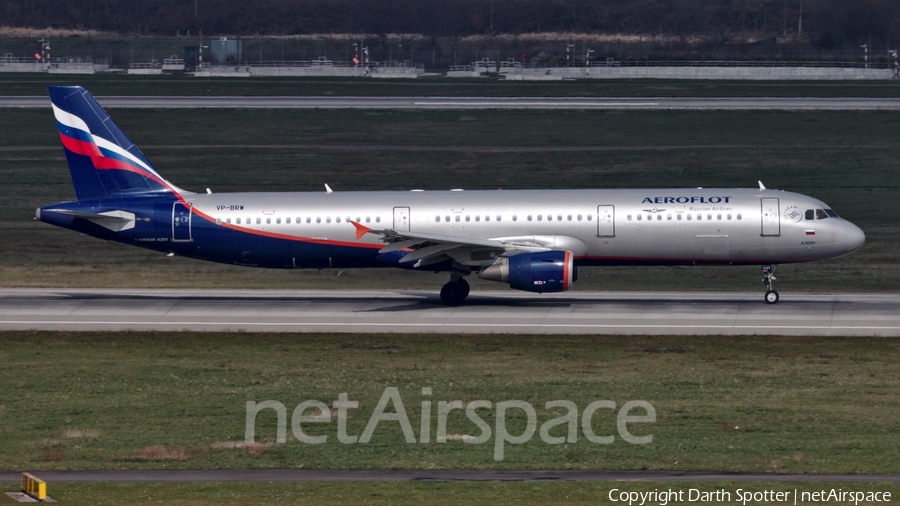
(543, 271)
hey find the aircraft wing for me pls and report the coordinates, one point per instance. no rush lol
(426, 249)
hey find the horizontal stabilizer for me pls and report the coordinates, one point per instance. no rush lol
(116, 221)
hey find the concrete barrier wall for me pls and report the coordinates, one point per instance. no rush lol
(743, 73)
(23, 67)
(77, 68)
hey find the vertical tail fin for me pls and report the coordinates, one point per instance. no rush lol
(102, 159)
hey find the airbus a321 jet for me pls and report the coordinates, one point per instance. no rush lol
(532, 240)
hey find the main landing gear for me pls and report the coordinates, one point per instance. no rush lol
(768, 272)
(455, 292)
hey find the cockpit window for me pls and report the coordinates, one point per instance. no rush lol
(831, 213)
(821, 214)
(810, 214)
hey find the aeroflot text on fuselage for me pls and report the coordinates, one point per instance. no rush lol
(686, 200)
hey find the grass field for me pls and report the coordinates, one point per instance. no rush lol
(419, 493)
(845, 158)
(177, 400)
(24, 84)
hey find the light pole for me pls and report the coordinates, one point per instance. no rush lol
(569, 48)
(896, 73)
(587, 62)
(865, 54)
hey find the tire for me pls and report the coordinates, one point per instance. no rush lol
(451, 294)
(771, 297)
(464, 288)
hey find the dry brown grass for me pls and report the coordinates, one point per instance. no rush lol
(81, 433)
(55, 454)
(159, 452)
(25, 33)
(254, 448)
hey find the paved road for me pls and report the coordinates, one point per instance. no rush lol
(889, 104)
(299, 476)
(421, 311)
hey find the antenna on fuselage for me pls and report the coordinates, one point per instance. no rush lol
(761, 186)
(328, 189)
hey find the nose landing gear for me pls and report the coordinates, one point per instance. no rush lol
(455, 291)
(768, 272)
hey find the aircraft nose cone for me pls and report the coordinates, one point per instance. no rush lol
(855, 237)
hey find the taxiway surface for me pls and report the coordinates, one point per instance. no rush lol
(314, 475)
(656, 103)
(505, 312)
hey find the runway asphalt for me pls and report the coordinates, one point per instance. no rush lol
(301, 476)
(661, 103)
(502, 312)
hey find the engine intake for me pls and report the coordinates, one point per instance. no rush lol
(544, 271)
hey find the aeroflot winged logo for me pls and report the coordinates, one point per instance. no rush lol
(686, 200)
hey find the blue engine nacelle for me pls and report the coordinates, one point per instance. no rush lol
(544, 271)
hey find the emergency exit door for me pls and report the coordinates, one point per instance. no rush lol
(770, 216)
(401, 219)
(181, 222)
(606, 221)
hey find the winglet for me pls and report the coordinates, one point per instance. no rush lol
(361, 229)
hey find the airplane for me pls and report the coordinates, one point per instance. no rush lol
(532, 240)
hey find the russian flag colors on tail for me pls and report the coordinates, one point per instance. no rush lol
(102, 159)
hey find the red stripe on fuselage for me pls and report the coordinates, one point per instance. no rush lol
(276, 235)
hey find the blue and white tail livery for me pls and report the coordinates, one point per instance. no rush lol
(102, 159)
(532, 240)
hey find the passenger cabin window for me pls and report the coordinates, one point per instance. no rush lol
(258, 221)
